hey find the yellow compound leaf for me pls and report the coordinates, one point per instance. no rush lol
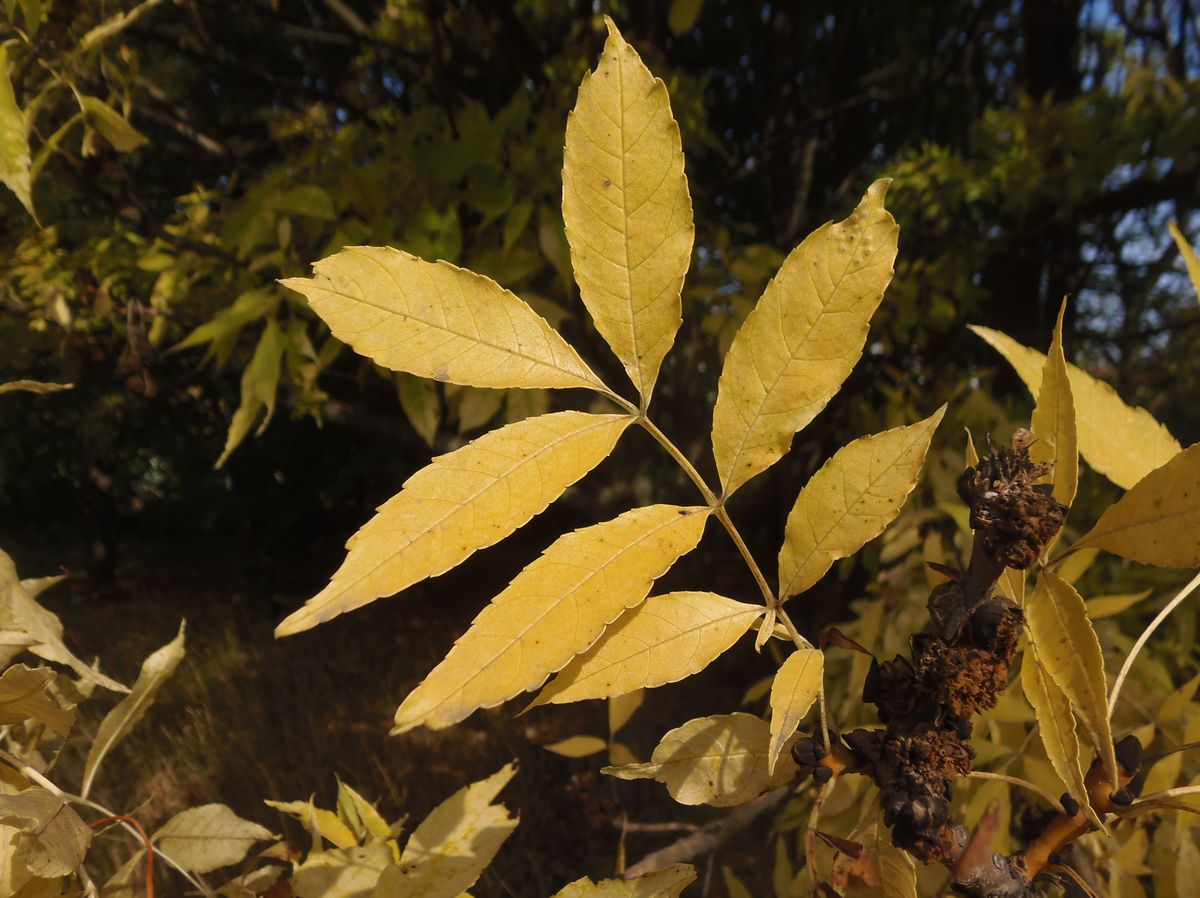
(850, 500)
(1056, 726)
(626, 208)
(797, 685)
(1122, 442)
(1069, 653)
(454, 844)
(802, 339)
(1054, 420)
(1189, 256)
(719, 761)
(665, 883)
(553, 610)
(464, 501)
(436, 320)
(665, 639)
(1158, 521)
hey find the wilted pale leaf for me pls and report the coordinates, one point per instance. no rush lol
(117, 724)
(626, 209)
(436, 320)
(1158, 520)
(113, 127)
(665, 883)
(577, 746)
(322, 824)
(1069, 653)
(463, 501)
(1122, 442)
(454, 844)
(1056, 724)
(719, 760)
(53, 839)
(32, 386)
(24, 695)
(341, 872)
(14, 141)
(1053, 421)
(27, 625)
(205, 838)
(553, 610)
(1108, 606)
(850, 500)
(802, 339)
(796, 686)
(663, 640)
(1189, 256)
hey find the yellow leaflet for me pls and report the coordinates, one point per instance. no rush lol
(208, 837)
(1054, 420)
(797, 685)
(577, 746)
(663, 640)
(1069, 653)
(626, 208)
(454, 844)
(1158, 521)
(463, 501)
(1056, 725)
(802, 339)
(719, 760)
(850, 500)
(318, 821)
(553, 610)
(1108, 606)
(361, 814)
(437, 320)
(1189, 256)
(894, 868)
(665, 883)
(1122, 442)
(622, 707)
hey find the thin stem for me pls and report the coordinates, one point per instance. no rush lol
(1016, 781)
(27, 771)
(1146, 634)
(1169, 793)
(810, 835)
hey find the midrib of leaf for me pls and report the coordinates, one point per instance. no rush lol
(758, 415)
(847, 513)
(458, 508)
(519, 638)
(442, 327)
(633, 327)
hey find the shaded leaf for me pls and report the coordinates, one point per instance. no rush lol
(52, 839)
(453, 845)
(665, 883)
(796, 687)
(361, 814)
(1122, 442)
(463, 501)
(436, 320)
(422, 405)
(553, 610)
(626, 208)
(341, 872)
(1068, 651)
(1190, 259)
(1053, 421)
(719, 760)
(623, 707)
(205, 838)
(802, 339)
(113, 127)
(118, 723)
(260, 383)
(850, 501)
(1108, 606)
(663, 640)
(893, 867)
(1158, 520)
(1056, 725)
(578, 746)
(24, 695)
(32, 386)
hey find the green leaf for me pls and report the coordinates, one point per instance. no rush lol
(14, 141)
